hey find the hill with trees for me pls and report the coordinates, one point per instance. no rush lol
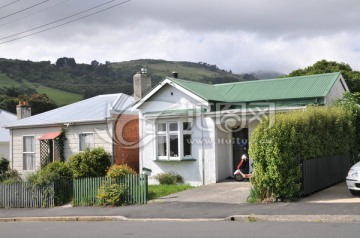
(66, 81)
(48, 85)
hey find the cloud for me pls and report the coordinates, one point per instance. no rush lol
(241, 35)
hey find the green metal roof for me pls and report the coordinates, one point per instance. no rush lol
(203, 90)
(312, 86)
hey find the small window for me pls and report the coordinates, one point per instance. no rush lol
(187, 145)
(187, 126)
(174, 146)
(29, 153)
(86, 140)
(162, 127)
(162, 146)
(173, 126)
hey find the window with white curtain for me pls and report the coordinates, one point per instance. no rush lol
(29, 153)
(86, 140)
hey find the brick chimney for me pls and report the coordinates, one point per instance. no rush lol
(142, 84)
(23, 110)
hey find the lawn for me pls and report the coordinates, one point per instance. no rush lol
(156, 191)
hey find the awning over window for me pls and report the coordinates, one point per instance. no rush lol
(50, 135)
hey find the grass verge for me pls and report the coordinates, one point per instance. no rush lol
(156, 191)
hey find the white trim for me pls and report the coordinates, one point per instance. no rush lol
(71, 123)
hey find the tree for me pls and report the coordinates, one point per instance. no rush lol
(9, 104)
(64, 61)
(352, 78)
(41, 103)
(94, 63)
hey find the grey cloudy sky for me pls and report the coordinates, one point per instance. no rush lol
(241, 35)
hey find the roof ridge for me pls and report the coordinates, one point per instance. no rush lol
(276, 79)
(189, 81)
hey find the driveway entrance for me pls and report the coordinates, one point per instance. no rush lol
(227, 191)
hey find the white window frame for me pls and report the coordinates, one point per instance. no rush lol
(167, 133)
(92, 143)
(26, 166)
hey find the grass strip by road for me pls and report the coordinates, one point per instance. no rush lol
(156, 191)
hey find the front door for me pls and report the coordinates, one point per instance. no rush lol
(240, 144)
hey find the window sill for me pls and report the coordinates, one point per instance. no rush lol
(175, 160)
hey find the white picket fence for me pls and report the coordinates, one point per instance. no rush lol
(24, 195)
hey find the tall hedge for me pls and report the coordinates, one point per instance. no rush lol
(279, 144)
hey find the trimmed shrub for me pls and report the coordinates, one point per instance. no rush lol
(168, 178)
(278, 150)
(110, 194)
(116, 171)
(90, 163)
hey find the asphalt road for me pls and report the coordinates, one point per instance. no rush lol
(164, 229)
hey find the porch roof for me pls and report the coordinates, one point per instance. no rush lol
(50, 135)
(301, 87)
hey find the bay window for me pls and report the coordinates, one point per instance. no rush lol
(173, 140)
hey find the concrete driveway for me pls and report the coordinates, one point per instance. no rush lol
(338, 193)
(233, 192)
(227, 191)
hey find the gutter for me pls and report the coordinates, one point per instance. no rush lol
(85, 122)
(248, 112)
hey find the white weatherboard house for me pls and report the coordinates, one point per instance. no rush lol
(200, 131)
(87, 123)
(5, 118)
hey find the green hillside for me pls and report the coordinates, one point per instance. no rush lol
(66, 81)
(60, 97)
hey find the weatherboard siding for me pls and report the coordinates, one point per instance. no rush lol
(17, 146)
(102, 137)
(4, 150)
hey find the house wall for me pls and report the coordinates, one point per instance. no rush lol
(169, 98)
(201, 169)
(4, 150)
(203, 136)
(17, 146)
(212, 147)
(102, 137)
(336, 92)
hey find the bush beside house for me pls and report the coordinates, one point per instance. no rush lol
(280, 144)
(90, 163)
(8, 175)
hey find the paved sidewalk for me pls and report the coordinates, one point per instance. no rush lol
(186, 205)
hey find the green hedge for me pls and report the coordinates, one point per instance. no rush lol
(279, 144)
